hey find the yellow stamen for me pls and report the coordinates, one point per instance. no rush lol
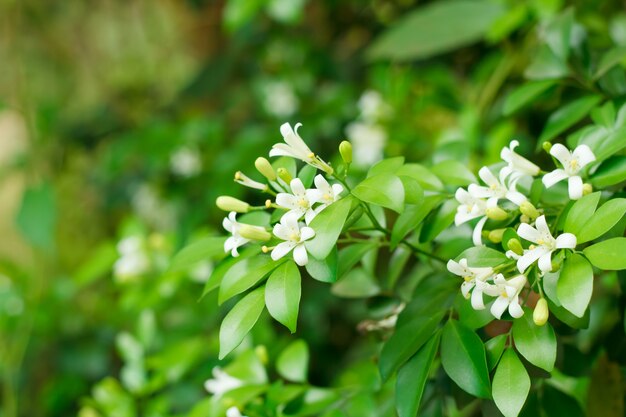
(294, 237)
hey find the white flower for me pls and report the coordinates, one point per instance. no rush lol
(185, 162)
(133, 260)
(472, 207)
(572, 163)
(546, 244)
(471, 276)
(295, 147)
(294, 236)
(221, 382)
(301, 201)
(234, 412)
(279, 99)
(496, 188)
(235, 240)
(518, 166)
(368, 142)
(507, 292)
(372, 106)
(246, 181)
(327, 194)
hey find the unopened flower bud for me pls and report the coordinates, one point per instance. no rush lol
(546, 146)
(524, 218)
(587, 188)
(496, 235)
(516, 246)
(265, 249)
(265, 168)
(254, 232)
(541, 313)
(345, 149)
(529, 210)
(261, 353)
(496, 213)
(284, 175)
(228, 203)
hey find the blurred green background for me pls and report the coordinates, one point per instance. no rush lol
(122, 121)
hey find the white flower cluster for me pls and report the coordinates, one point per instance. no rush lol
(482, 201)
(299, 202)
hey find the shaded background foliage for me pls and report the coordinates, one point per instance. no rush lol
(96, 98)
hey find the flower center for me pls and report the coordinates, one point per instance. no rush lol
(467, 278)
(304, 203)
(294, 236)
(504, 294)
(327, 197)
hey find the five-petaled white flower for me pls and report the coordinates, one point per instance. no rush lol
(573, 163)
(496, 188)
(295, 147)
(231, 225)
(546, 244)
(294, 236)
(518, 166)
(234, 412)
(301, 201)
(471, 207)
(470, 276)
(328, 194)
(507, 292)
(221, 382)
(246, 181)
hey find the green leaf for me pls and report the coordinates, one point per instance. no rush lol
(385, 190)
(412, 378)
(327, 225)
(240, 320)
(437, 221)
(217, 276)
(324, 270)
(409, 336)
(413, 192)
(356, 283)
(482, 256)
(511, 384)
(567, 116)
(610, 59)
(386, 166)
(463, 358)
(351, 255)
(37, 217)
(536, 343)
(411, 218)
(525, 94)
(453, 172)
(293, 362)
(204, 249)
(494, 348)
(546, 64)
(282, 294)
(610, 172)
(575, 283)
(580, 213)
(426, 31)
(602, 220)
(245, 274)
(608, 254)
(421, 174)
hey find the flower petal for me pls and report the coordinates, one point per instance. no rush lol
(553, 177)
(281, 231)
(499, 306)
(455, 268)
(306, 233)
(575, 187)
(286, 200)
(466, 287)
(561, 153)
(321, 183)
(477, 299)
(478, 230)
(542, 226)
(309, 215)
(282, 249)
(280, 149)
(566, 241)
(515, 310)
(487, 176)
(286, 130)
(545, 262)
(515, 197)
(530, 257)
(584, 155)
(526, 231)
(300, 255)
(297, 188)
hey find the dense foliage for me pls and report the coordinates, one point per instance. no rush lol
(358, 265)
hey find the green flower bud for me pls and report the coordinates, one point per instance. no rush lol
(261, 353)
(524, 218)
(284, 175)
(546, 146)
(541, 312)
(587, 189)
(345, 149)
(496, 213)
(495, 236)
(228, 203)
(254, 232)
(265, 168)
(516, 246)
(529, 210)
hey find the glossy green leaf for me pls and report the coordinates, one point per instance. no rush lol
(412, 378)
(575, 283)
(240, 320)
(494, 348)
(438, 220)
(602, 220)
(421, 174)
(413, 192)
(610, 59)
(536, 343)
(546, 64)
(385, 190)
(463, 358)
(356, 283)
(453, 172)
(567, 116)
(245, 274)
(426, 31)
(525, 94)
(351, 255)
(610, 172)
(581, 212)
(204, 249)
(482, 256)
(293, 362)
(324, 270)
(411, 218)
(608, 254)
(327, 226)
(386, 166)
(511, 384)
(282, 294)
